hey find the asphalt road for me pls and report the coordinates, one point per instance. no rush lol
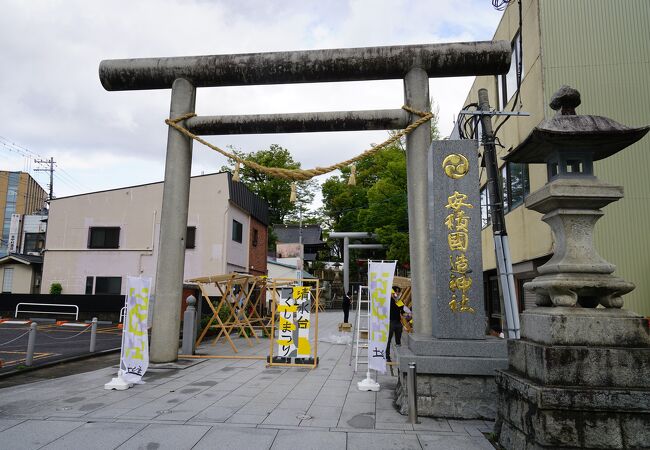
(53, 343)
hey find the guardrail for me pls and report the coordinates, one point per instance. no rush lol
(75, 314)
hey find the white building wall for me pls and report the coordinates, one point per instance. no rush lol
(237, 252)
(136, 210)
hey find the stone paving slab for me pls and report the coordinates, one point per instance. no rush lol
(230, 439)
(33, 434)
(226, 403)
(381, 440)
(96, 436)
(172, 437)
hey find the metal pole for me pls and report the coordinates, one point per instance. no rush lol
(416, 95)
(173, 228)
(301, 262)
(31, 342)
(514, 306)
(504, 263)
(346, 265)
(411, 379)
(93, 335)
(188, 326)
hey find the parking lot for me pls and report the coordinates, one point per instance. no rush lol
(54, 342)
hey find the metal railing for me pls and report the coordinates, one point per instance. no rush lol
(54, 305)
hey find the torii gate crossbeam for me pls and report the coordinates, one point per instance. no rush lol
(415, 64)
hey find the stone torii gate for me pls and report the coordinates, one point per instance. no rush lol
(415, 64)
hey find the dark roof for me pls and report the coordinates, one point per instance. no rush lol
(25, 259)
(241, 196)
(289, 234)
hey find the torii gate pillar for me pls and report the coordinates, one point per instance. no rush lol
(173, 229)
(416, 94)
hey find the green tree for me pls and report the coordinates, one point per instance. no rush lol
(275, 191)
(378, 202)
(56, 288)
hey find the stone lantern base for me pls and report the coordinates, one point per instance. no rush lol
(578, 378)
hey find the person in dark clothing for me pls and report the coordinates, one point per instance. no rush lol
(395, 324)
(347, 302)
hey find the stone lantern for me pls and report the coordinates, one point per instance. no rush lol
(571, 201)
(578, 377)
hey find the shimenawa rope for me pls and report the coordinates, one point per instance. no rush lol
(301, 174)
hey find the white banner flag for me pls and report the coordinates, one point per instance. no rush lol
(135, 342)
(380, 282)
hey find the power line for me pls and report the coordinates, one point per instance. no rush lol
(27, 154)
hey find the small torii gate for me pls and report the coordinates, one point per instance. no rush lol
(415, 64)
(346, 236)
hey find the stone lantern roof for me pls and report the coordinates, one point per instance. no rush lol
(598, 136)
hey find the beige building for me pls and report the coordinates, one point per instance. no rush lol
(601, 48)
(95, 240)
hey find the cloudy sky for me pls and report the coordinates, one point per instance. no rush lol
(53, 104)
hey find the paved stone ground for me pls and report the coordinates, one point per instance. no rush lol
(226, 403)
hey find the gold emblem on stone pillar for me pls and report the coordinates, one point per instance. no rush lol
(456, 166)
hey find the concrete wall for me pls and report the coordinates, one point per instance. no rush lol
(136, 210)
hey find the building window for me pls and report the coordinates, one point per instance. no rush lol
(508, 84)
(104, 237)
(8, 279)
(90, 283)
(255, 237)
(190, 237)
(515, 183)
(107, 285)
(34, 242)
(485, 208)
(237, 231)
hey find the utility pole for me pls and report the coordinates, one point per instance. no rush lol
(501, 246)
(51, 170)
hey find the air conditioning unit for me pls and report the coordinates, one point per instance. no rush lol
(34, 253)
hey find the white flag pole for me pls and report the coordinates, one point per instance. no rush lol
(118, 382)
(380, 281)
(134, 357)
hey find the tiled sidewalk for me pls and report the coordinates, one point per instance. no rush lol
(226, 403)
